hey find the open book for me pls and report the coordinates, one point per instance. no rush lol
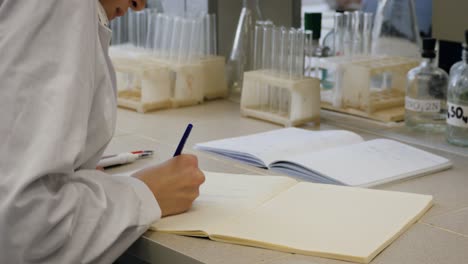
(279, 213)
(335, 156)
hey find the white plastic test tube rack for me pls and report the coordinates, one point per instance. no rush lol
(177, 66)
(277, 90)
(368, 86)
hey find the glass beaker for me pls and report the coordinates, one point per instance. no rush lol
(396, 31)
(241, 57)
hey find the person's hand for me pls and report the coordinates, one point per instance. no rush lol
(174, 183)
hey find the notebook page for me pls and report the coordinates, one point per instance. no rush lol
(223, 196)
(281, 143)
(346, 223)
(372, 162)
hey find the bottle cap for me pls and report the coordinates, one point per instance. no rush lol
(313, 21)
(429, 48)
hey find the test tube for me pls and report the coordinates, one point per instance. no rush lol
(276, 51)
(141, 24)
(174, 48)
(258, 46)
(308, 52)
(158, 35)
(348, 34)
(132, 28)
(367, 33)
(167, 36)
(275, 68)
(213, 35)
(209, 33)
(299, 56)
(292, 52)
(151, 29)
(182, 54)
(267, 45)
(358, 16)
(195, 39)
(284, 52)
(338, 32)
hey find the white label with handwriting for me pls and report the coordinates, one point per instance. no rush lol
(426, 106)
(457, 115)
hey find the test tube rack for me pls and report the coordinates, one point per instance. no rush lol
(304, 105)
(146, 83)
(371, 87)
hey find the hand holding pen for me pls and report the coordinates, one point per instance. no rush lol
(175, 183)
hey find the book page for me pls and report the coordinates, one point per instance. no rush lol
(281, 143)
(352, 224)
(223, 196)
(372, 162)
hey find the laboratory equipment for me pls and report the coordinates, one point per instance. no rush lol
(457, 102)
(395, 30)
(277, 89)
(426, 93)
(177, 65)
(241, 57)
(367, 24)
(369, 86)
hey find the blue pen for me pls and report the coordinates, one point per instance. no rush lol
(182, 140)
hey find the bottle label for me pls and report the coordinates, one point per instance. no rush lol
(457, 115)
(427, 106)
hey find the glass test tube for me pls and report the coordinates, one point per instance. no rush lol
(141, 24)
(284, 50)
(292, 52)
(358, 16)
(308, 52)
(258, 46)
(348, 34)
(299, 57)
(195, 39)
(132, 29)
(266, 93)
(175, 38)
(338, 30)
(184, 41)
(151, 29)
(167, 35)
(209, 34)
(367, 33)
(275, 68)
(158, 35)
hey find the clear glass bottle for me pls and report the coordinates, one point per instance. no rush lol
(457, 101)
(395, 30)
(241, 57)
(426, 93)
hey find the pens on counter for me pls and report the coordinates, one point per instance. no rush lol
(123, 158)
(180, 147)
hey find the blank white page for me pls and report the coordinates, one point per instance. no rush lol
(223, 196)
(372, 162)
(282, 143)
(347, 223)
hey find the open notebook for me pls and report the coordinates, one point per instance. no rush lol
(279, 213)
(335, 156)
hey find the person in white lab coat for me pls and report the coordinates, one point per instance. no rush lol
(57, 114)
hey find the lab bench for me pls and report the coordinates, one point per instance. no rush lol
(440, 236)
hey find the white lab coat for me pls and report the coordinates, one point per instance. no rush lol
(57, 114)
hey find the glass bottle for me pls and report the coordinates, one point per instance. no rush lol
(395, 30)
(457, 102)
(426, 93)
(241, 57)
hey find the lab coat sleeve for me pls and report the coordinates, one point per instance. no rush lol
(52, 210)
